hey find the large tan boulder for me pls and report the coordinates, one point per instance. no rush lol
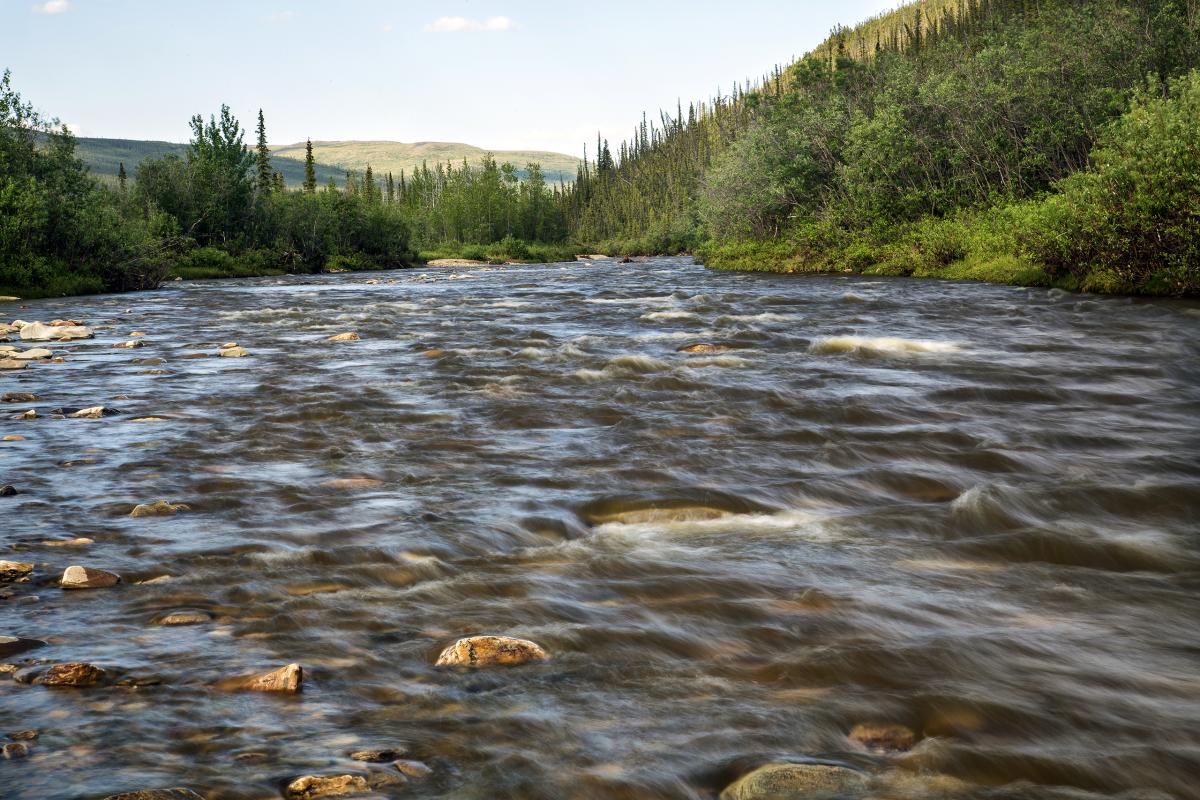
(39, 332)
(178, 793)
(797, 782)
(159, 508)
(490, 651)
(349, 336)
(76, 577)
(314, 786)
(14, 570)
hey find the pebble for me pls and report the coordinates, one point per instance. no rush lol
(313, 786)
(883, 737)
(159, 508)
(76, 577)
(350, 336)
(490, 651)
(797, 782)
(71, 674)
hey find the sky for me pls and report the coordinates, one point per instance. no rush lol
(499, 74)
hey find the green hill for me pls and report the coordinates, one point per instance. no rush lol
(104, 157)
(396, 156)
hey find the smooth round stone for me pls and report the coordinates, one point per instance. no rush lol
(797, 782)
(490, 651)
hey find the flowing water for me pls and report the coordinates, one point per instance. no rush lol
(967, 509)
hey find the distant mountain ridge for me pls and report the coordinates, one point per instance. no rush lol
(386, 156)
(333, 158)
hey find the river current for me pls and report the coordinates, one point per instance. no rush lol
(970, 510)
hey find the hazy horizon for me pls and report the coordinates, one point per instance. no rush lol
(511, 75)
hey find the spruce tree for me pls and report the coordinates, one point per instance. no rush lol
(121, 176)
(262, 157)
(369, 185)
(310, 169)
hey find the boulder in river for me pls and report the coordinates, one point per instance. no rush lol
(12, 363)
(14, 750)
(33, 354)
(93, 412)
(703, 347)
(39, 332)
(12, 645)
(349, 336)
(8, 490)
(490, 651)
(797, 782)
(285, 679)
(130, 344)
(18, 397)
(159, 508)
(178, 793)
(314, 786)
(413, 769)
(884, 737)
(76, 577)
(71, 674)
(233, 352)
(379, 756)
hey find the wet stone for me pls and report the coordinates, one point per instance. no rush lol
(71, 674)
(18, 397)
(883, 737)
(77, 577)
(704, 347)
(8, 490)
(129, 345)
(349, 336)
(185, 618)
(797, 782)
(379, 756)
(12, 645)
(234, 352)
(159, 508)
(285, 679)
(24, 736)
(12, 570)
(490, 651)
(413, 769)
(93, 412)
(15, 750)
(314, 786)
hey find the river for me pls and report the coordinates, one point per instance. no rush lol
(970, 510)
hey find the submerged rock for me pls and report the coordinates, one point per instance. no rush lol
(349, 336)
(94, 412)
(24, 736)
(704, 347)
(76, 577)
(129, 345)
(490, 651)
(8, 490)
(378, 756)
(159, 508)
(33, 354)
(71, 674)
(78, 541)
(177, 793)
(14, 750)
(185, 618)
(352, 483)
(413, 769)
(313, 786)
(797, 782)
(284, 679)
(18, 397)
(883, 737)
(12, 645)
(12, 570)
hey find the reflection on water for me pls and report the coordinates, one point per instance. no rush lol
(968, 510)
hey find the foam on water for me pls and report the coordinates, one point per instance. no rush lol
(889, 345)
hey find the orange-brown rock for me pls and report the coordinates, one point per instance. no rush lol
(313, 786)
(177, 793)
(490, 651)
(349, 336)
(159, 508)
(703, 347)
(797, 782)
(71, 674)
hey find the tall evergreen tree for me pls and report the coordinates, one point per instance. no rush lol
(262, 157)
(121, 176)
(310, 169)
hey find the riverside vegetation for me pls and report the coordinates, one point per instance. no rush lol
(1047, 143)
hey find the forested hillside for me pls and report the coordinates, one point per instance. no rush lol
(963, 138)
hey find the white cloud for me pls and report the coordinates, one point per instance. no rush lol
(387, 27)
(467, 25)
(52, 7)
(281, 17)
